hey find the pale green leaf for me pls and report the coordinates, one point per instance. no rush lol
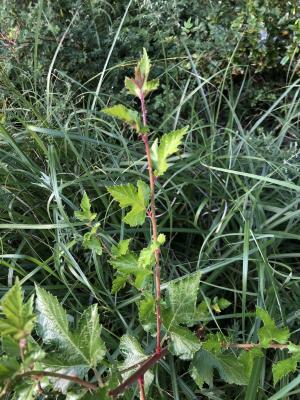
(169, 144)
(85, 214)
(182, 298)
(131, 117)
(269, 332)
(283, 368)
(184, 343)
(138, 199)
(213, 342)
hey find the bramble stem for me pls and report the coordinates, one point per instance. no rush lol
(74, 379)
(154, 226)
(141, 387)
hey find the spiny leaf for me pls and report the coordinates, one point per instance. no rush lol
(182, 298)
(284, 367)
(134, 354)
(138, 199)
(20, 318)
(85, 214)
(269, 332)
(131, 117)
(169, 145)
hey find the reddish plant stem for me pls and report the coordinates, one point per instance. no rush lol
(154, 226)
(140, 372)
(74, 379)
(141, 387)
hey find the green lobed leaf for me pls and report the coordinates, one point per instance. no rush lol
(121, 249)
(269, 332)
(169, 144)
(19, 317)
(128, 196)
(130, 117)
(284, 367)
(213, 342)
(182, 298)
(229, 368)
(85, 214)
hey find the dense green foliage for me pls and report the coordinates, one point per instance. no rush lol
(228, 201)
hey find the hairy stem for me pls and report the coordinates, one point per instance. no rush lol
(141, 388)
(154, 226)
(74, 379)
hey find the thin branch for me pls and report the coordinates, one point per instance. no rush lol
(74, 379)
(249, 346)
(141, 371)
(141, 387)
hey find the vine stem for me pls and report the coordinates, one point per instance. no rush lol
(154, 226)
(249, 346)
(74, 379)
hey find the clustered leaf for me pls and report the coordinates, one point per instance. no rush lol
(169, 144)
(136, 198)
